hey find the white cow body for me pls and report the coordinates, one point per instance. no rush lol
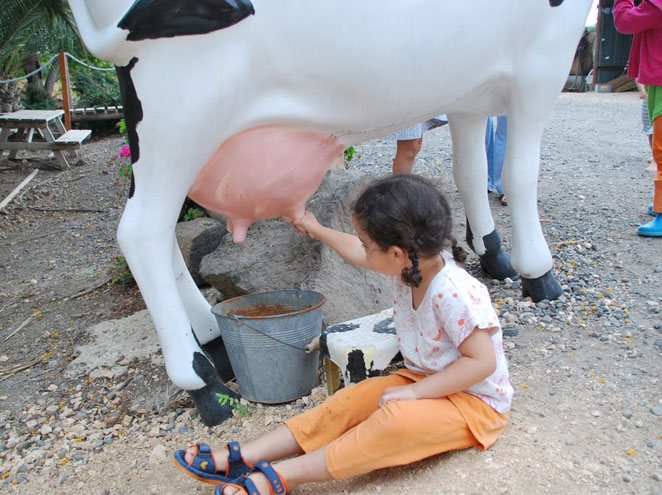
(350, 71)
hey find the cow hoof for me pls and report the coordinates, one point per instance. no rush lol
(211, 401)
(544, 287)
(494, 261)
(497, 265)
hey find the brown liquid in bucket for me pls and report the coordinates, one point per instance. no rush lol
(263, 310)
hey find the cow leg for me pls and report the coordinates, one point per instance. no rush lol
(470, 174)
(203, 322)
(146, 235)
(531, 256)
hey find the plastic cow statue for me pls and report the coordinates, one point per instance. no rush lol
(242, 105)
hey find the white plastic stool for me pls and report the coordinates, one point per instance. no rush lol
(358, 348)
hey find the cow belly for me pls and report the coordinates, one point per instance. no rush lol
(263, 173)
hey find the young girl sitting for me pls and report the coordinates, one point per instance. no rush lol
(454, 392)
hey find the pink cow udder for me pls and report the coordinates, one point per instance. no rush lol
(263, 173)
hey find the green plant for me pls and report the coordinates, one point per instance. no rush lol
(349, 153)
(36, 98)
(235, 404)
(190, 211)
(193, 213)
(126, 171)
(96, 88)
(120, 274)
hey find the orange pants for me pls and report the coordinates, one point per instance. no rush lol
(657, 157)
(361, 437)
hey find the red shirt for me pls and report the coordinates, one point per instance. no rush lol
(645, 23)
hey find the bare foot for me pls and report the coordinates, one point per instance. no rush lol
(651, 165)
(260, 481)
(220, 457)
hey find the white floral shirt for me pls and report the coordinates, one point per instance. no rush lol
(454, 304)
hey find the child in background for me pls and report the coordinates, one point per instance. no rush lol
(646, 123)
(645, 23)
(453, 394)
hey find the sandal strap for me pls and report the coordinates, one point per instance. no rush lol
(244, 485)
(236, 466)
(203, 460)
(278, 484)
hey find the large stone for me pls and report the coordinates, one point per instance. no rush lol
(197, 238)
(275, 256)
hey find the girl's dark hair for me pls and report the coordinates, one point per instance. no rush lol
(407, 211)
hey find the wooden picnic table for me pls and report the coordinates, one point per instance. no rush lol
(48, 124)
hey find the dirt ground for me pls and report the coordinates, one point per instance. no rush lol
(587, 415)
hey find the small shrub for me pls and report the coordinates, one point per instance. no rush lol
(120, 274)
(193, 213)
(190, 211)
(235, 404)
(96, 89)
(36, 98)
(349, 153)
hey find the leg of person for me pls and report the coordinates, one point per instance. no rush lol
(648, 130)
(500, 139)
(313, 430)
(654, 227)
(651, 163)
(306, 432)
(402, 432)
(405, 154)
(489, 151)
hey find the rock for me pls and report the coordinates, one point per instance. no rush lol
(197, 238)
(276, 257)
(657, 410)
(158, 455)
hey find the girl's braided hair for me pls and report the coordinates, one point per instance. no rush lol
(407, 211)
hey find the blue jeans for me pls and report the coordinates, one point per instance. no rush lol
(495, 147)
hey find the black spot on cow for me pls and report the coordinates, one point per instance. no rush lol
(133, 112)
(356, 366)
(206, 398)
(152, 19)
(339, 328)
(385, 326)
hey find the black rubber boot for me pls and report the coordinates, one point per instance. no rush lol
(495, 262)
(206, 399)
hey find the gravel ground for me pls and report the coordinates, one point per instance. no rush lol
(587, 416)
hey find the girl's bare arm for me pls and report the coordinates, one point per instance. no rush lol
(346, 245)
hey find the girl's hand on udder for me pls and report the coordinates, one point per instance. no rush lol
(405, 392)
(307, 224)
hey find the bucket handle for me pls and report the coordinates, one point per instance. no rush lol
(308, 348)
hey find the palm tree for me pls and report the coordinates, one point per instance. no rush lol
(28, 28)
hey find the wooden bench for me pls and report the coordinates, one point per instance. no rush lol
(27, 122)
(73, 138)
(97, 113)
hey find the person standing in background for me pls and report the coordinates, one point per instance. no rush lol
(410, 141)
(644, 21)
(495, 146)
(646, 123)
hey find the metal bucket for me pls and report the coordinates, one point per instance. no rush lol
(265, 336)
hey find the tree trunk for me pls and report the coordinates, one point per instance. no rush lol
(53, 74)
(10, 98)
(30, 63)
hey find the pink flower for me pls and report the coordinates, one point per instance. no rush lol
(125, 151)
